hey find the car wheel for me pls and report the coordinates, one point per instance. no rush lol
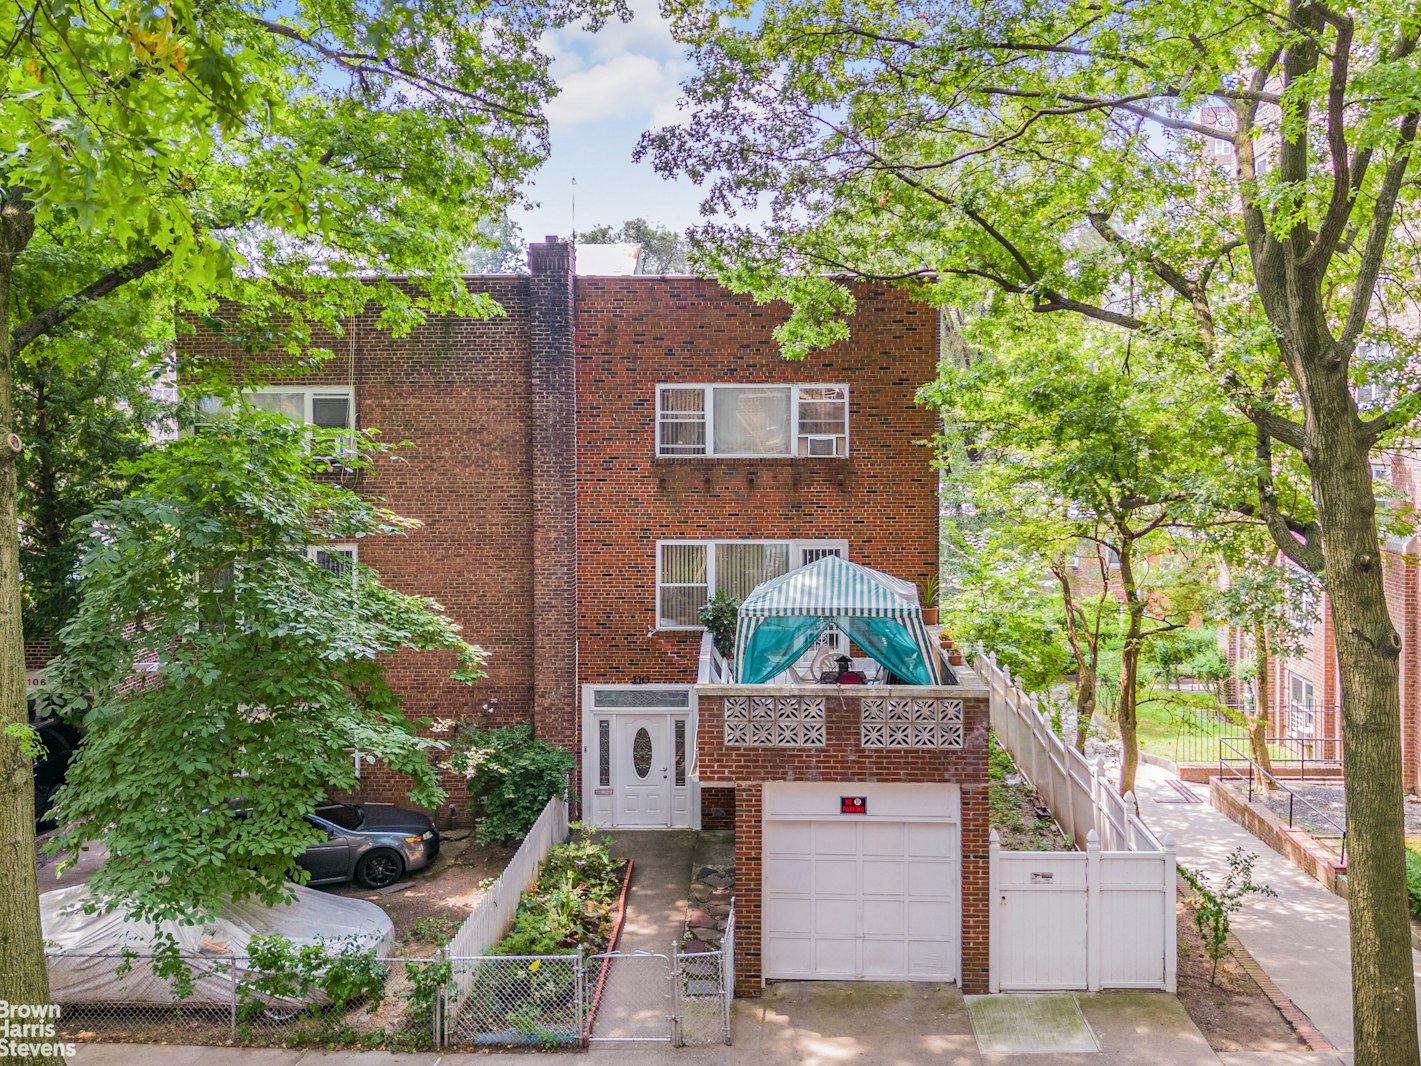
(378, 869)
(281, 1015)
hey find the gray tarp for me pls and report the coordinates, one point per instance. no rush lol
(81, 976)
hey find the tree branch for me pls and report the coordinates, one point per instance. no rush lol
(1339, 207)
(1374, 248)
(1284, 530)
(354, 62)
(57, 313)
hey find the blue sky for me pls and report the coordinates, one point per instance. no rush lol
(615, 85)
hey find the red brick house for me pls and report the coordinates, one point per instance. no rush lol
(589, 469)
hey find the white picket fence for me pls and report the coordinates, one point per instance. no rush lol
(491, 918)
(1099, 918)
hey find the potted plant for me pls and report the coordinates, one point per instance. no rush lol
(720, 616)
(928, 591)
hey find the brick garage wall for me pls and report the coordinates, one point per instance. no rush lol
(634, 333)
(460, 391)
(746, 769)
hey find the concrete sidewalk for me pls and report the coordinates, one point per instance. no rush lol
(1300, 937)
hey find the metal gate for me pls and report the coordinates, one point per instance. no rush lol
(633, 995)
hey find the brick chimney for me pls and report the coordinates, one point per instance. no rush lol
(556, 714)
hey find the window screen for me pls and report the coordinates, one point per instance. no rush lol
(752, 421)
(684, 583)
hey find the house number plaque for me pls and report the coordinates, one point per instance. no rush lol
(853, 804)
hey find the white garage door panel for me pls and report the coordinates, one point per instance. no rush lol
(883, 839)
(931, 840)
(789, 916)
(859, 898)
(835, 917)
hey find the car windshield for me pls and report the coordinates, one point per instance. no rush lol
(345, 815)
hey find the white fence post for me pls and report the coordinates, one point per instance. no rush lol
(995, 916)
(1095, 931)
(1171, 941)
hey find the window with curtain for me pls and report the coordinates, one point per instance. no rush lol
(752, 420)
(690, 572)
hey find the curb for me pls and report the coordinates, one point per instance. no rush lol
(1301, 1023)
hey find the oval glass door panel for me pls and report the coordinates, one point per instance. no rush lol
(641, 753)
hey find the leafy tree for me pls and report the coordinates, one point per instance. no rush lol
(294, 161)
(88, 397)
(996, 599)
(1276, 605)
(1046, 444)
(265, 667)
(1061, 158)
(499, 248)
(663, 250)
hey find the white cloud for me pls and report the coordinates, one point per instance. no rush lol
(628, 86)
(628, 71)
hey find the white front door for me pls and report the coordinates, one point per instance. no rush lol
(641, 769)
(638, 756)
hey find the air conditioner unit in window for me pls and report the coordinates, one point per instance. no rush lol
(822, 445)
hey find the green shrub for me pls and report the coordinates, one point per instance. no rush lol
(1214, 907)
(720, 616)
(1413, 881)
(511, 776)
(571, 902)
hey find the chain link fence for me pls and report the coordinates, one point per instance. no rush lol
(397, 1004)
(226, 1000)
(512, 999)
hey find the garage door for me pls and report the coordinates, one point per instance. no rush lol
(871, 897)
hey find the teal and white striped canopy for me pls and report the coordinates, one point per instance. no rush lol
(783, 617)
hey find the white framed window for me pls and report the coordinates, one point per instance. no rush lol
(748, 421)
(1301, 707)
(323, 406)
(339, 559)
(690, 572)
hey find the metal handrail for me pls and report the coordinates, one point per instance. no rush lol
(1230, 766)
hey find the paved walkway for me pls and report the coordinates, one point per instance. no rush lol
(1299, 937)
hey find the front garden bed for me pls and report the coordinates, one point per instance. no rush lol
(526, 991)
(1015, 809)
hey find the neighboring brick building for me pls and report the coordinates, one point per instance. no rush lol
(589, 469)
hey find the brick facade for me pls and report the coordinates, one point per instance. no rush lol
(843, 759)
(532, 467)
(460, 391)
(634, 333)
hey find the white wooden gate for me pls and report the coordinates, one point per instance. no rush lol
(1076, 920)
(1039, 907)
(1081, 920)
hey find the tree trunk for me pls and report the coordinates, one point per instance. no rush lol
(1086, 662)
(1129, 670)
(1085, 702)
(1125, 711)
(1368, 650)
(23, 976)
(1259, 719)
